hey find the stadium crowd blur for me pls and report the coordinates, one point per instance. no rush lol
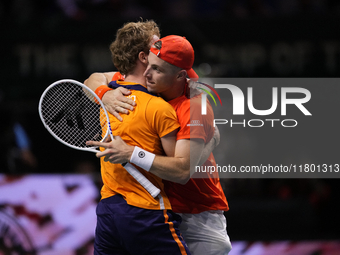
(24, 10)
(305, 205)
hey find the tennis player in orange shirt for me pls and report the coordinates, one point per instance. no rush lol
(200, 202)
(129, 220)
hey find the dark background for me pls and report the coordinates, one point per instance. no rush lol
(43, 41)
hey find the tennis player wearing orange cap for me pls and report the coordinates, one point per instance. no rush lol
(200, 202)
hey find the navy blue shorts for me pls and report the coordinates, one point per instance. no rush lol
(126, 229)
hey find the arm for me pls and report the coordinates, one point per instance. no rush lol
(189, 153)
(178, 168)
(210, 146)
(186, 154)
(114, 100)
(97, 79)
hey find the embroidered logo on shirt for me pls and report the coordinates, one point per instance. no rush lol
(195, 123)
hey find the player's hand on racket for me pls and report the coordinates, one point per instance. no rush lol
(116, 151)
(116, 102)
(74, 114)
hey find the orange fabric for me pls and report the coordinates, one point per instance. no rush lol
(118, 77)
(101, 90)
(193, 124)
(202, 194)
(151, 119)
(173, 233)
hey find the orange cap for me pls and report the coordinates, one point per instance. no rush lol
(176, 50)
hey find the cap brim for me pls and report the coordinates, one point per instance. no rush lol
(154, 50)
(192, 74)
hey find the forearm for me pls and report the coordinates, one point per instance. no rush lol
(114, 101)
(168, 168)
(178, 168)
(208, 148)
(175, 168)
(171, 169)
(97, 79)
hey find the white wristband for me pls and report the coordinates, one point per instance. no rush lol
(142, 158)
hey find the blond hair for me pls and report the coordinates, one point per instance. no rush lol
(131, 39)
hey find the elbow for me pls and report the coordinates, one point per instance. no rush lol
(185, 177)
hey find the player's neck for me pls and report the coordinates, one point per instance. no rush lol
(140, 79)
(136, 75)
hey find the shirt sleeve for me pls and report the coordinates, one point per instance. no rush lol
(161, 116)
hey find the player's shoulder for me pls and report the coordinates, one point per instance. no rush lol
(158, 102)
(157, 106)
(196, 99)
(184, 101)
(193, 102)
(144, 98)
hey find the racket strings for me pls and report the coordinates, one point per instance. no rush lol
(72, 114)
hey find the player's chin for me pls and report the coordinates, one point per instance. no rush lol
(151, 87)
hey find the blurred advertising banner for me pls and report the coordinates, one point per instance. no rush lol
(47, 214)
(285, 248)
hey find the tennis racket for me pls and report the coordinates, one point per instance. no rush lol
(74, 114)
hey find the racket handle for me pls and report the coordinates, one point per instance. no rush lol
(152, 189)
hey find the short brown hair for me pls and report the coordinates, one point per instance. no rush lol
(131, 39)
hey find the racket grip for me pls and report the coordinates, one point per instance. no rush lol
(152, 189)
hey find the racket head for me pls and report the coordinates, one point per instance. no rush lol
(74, 114)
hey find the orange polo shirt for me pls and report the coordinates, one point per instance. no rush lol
(151, 119)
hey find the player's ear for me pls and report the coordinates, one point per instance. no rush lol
(143, 57)
(182, 75)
